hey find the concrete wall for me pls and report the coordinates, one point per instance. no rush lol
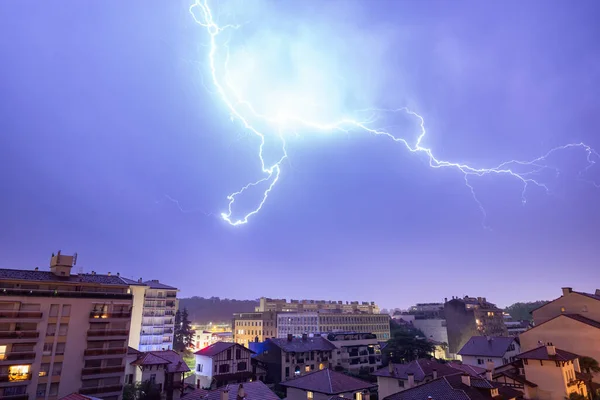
(460, 324)
(136, 315)
(573, 303)
(550, 379)
(205, 377)
(388, 386)
(433, 329)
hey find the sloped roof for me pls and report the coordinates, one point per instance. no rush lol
(299, 345)
(327, 381)
(253, 391)
(419, 368)
(155, 284)
(469, 369)
(77, 396)
(495, 346)
(219, 347)
(149, 359)
(170, 358)
(47, 276)
(541, 353)
(131, 350)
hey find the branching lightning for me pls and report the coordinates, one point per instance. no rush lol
(241, 110)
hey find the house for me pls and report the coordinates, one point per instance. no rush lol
(457, 387)
(222, 363)
(356, 351)
(571, 322)
(77, 396)
(468, 369)
(325, 384)
(513, 375)
(556, 372)
(398, 377)
(292, 357)
(164, 369)
(499, 350)
(246, 391)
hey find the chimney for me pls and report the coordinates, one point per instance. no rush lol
(290, 337)
(140, 280)
(576, 365)
(597, 292)
(466, 379)
(445, 299)
(551, 349)
(391, 368)
(304, 337)
(366, 395)
(36, 269)
(489, 373)
(118, 274)
(108, 273)
(435, 374)
(225, 394)
(411, 379)
(566, 290)
(241, 393)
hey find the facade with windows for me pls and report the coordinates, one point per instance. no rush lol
(282, 305)
(164, 369)
(253, 327)
(297, 324)
(221, 364)
(62, 333)
(356, 351)
(490, 351)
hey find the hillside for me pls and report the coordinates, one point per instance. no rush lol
(215, 309)
(522, 311)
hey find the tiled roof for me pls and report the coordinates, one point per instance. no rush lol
(47, 276)
(583, 319)
(419, 368)
(170, 358)
(494, 346)
(74, 396)
(451, 388)
(132, 282)
(219, 347)
(299, 345)
(155, 284)
(591, 295)
(541, 353)
(327, 381)
(253, 391)
(515, 377)
(469, 369)
(131, 350)
(149, 359)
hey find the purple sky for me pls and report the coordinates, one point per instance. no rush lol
(104, 111)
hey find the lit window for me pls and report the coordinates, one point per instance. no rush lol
(2, 352)
(306, 368)
(309, 395)
(359, 396)
(562, 309)
(321, 366)
(18, 372)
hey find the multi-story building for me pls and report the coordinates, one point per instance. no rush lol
(204, 338)
(298, 324)
(515, 328)
(221, 364)
(356, 351)
(282, 305)
(62, 333)
(153, 319)
(471, 316)
(254, 327)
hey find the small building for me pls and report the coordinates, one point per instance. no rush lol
(356, 351)
(221, 364)
(247, 391)
(398, 377)
(556, 372)
(481, 350)
(165, 369)
(324, 384)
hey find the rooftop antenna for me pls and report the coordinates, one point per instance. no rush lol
(75, 259)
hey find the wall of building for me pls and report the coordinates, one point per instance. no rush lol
(137, 309)
(571, 303)
(434, 329)
(297, 324)
(297, 394)
(460, 324)
(388, 386)
(350, 351)
(247, 327)
(550, 379)
(204, 377)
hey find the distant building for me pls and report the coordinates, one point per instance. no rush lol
(254, 327)
(164, 369)
(297, 324)
(326, 384)
(204, 338)
(282, 305)
(245, 391)
(481, 350)
(469, 317)
(515, 328)
(62, 333)
(221, 364)
(356, 351)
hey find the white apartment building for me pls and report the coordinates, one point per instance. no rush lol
(296, 324)
(282, 305)
(153, 317)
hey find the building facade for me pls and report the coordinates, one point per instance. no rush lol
(62, 333)
(325, 385)
(254, 327)
(480, 351)
(356, 351)
(221, 364)
(282, 305)
(297, 324)
(164, 369)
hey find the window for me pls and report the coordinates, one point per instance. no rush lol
(2, 352)
(54, 310)
(44, 369)
(153, 379)
(66, 310)
(63, 329)
(51, 330)
(321, 366)
(306, 368)
(480, 361)
(238, 353)
(41, 390)
(57, 369)
(60, 348)
(47, 349)
(223, 368)
(241, 366)
(400, 383)
(287, 371)
(18, 372)
(309, 395)
(129, 379)
(562, 309)
(199, 367)
(229, 354)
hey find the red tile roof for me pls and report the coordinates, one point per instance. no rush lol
(419, 368)
(493, 346)
(469, 369)
(77, 396)
(219, 347)
(541, 353)
(253, 391)
(170, 358)
(327, 381)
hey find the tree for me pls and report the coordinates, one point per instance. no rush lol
(522, 311)
(177, 335)
(186, 330)
(590, 366)
(141, 391)
(407, 344)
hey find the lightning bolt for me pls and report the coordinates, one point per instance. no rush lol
(522, 171)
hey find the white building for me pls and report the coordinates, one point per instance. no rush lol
(222, 363)
(161, 368)
(297, 324)
(481, 350)
(356, 351)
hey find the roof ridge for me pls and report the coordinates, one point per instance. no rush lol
(329, 379)
(421, 368)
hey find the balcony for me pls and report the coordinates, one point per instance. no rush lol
(107, 332)
(21, 314)
(24, 396)
(59, 293)
(170, 304)
(102, 370)
(19, 334)
(18, 356)
(171, 296)
(104, 352)
(14, 378)
(101, 389)
(100, 315)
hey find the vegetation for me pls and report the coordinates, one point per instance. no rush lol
(215, 310)
(590, 366)
(141, 391)
(407, 344)
(522, 311)
(184, 335)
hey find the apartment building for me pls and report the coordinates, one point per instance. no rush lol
(471, 316)
(62, 333)
(282, 305)
(356, 351)
(153, 316)
(297, 324)
(254, 327)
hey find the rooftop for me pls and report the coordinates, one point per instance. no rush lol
(170, 358)
(541, 353)
(300, 345)
(155, 284)
(492, 346)
(419, 368)
(217, 348)
(47, 276)
(328, 382)
(252, 391)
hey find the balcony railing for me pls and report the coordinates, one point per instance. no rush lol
(100, 315)
(108, 332)
(101, 389)
(14, 378)
(24, 396)
(60, 293)
(19, 334)
(102, 352)
(20, 314)
(18, 356)
(102, 370)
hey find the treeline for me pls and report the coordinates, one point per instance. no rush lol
(522, 311)
(214, 309)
